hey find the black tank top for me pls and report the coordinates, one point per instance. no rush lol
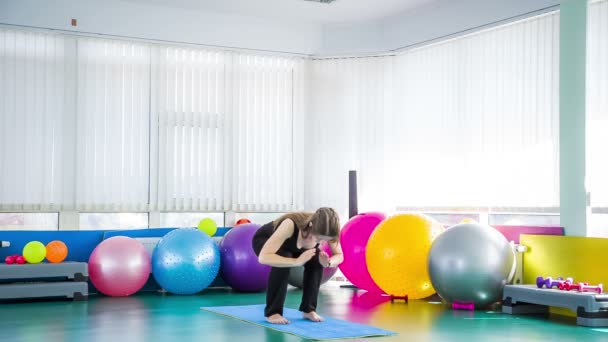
(291, 244)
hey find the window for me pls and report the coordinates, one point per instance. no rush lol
(29, 221)
(525, 219)
(258, 218)
(450, 219)
(113, 221)
(186, 220)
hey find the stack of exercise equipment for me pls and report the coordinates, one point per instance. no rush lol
(26, 276)
(588, 301)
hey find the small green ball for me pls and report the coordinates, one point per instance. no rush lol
(34, 252)
(207, 226)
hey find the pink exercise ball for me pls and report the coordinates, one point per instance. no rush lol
(353, 239)
(119, 266)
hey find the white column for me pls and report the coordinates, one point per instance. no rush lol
(573, 34)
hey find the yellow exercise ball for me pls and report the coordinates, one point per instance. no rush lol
(397, 254)
(208, 226)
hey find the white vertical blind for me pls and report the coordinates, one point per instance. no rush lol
(33, 106)
(190, 109)
(112, 125)
(597, 102)
(94, 124)
(481, 118)
(469, 121)
(225, 123)
(472, 121)
(347, 130)
(262, 163)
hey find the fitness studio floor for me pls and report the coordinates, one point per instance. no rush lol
(157, 317)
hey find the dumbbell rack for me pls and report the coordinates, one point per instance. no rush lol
(44, 280)
(591, 308)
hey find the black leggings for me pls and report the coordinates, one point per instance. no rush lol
(278, 281)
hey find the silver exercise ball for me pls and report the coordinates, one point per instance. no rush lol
(471, 263)
(296, 275)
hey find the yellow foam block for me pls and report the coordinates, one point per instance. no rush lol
(582, 258)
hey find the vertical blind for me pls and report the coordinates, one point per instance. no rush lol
(597, 102)
(190, 105)
(489, 103)
(93, 124)
(112, 125)
(348, 125)
(225, 124)
(96, 124)
(33, 111)
(262, 124)
(471, 121)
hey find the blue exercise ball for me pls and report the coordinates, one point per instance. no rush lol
(185, 261)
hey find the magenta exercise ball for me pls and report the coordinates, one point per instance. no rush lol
(119, 266)
(353, 239)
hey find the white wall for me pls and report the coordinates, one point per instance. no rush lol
(112, 17)
(351, 39)
(438, 19)
(132, 19)
(447, 17)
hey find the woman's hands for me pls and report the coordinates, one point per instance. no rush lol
(324, 259)
(305, 257)
(309, 254)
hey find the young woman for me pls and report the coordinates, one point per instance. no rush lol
(293, 240)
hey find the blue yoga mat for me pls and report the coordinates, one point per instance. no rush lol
(329, 329)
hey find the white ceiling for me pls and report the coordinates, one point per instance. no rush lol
(340, 11)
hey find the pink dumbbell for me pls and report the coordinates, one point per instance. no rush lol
(577, 286)
(591, 288)
(565, 286)
(550, 282)
(463, 306)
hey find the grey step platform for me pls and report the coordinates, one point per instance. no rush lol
(591, 308)
(76, 271)
(63, 289)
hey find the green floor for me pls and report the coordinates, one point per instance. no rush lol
(157, 317)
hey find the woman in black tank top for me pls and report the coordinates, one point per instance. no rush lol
(293, 240)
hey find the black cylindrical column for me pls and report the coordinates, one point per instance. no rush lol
(352, 194)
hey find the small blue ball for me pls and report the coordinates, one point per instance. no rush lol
(185, 261)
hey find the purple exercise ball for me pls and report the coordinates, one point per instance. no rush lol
(119, 266)
(240, 267)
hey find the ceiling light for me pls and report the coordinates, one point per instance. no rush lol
(322, 1)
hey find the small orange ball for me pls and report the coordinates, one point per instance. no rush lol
(56, 251)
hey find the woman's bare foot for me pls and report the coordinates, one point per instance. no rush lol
(277, 319)
(313, 316)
